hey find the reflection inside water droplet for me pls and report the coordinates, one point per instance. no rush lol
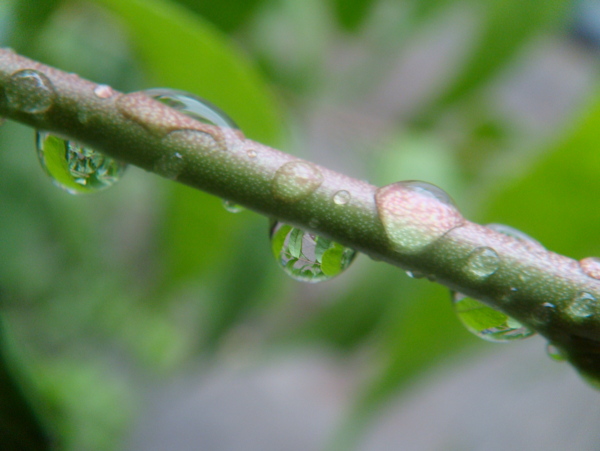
(251, 153)
(75, 168)
(30, 91)
(169, 165)
(307, 257)
(486, 322)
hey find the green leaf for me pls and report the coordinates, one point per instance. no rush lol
(508, 26)
(332, 260)
(555, 199)
(322, 245)
(278, 240)
(295, 243)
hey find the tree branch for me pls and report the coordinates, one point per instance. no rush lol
(402, 224)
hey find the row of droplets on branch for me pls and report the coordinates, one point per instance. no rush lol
(304, 256)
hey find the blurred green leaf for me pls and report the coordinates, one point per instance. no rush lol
(352, 13)
(184, 52)
(507, 26)
(554, 199)
(228, 15)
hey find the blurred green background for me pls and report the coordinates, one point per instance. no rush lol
(148, 317)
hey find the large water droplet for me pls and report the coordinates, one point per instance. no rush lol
(296, 180)
(486, 322)
(75, 168)
(514, 233)
(193, 106)
(307, 257)
(481, 263)
(30, 91)
(415, 214)
(591, 267)
(583, 306)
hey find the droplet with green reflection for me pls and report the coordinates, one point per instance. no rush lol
(75, 168)
(307, 257)
(486, 322)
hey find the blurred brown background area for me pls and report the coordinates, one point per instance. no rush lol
(147, 317)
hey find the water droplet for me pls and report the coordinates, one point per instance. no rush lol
(415, 274)
(584, 305)
(296, 180)
(481, 263)
(232, 207)
(104, 91)
(415, 214)
(555, 353)
(591, 267)
(75, 168)
(251, 153)
(307, 257)
(193, 106)
(514, 233)
(169, 165)
(342, 197)
(486, 322)
(30, 91)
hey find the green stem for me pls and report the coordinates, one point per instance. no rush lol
(548, 292)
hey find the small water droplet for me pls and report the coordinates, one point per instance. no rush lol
(251, 153)
(514, 233)
(104, 91)
(555, 353)
(169, 165)
(584, 305)
(342, 197)
(30, 91)
(486, 322)
(296, 180)
(415, 214)
(591, 267)
(415, 274)
(232, 207)
(307, 257)
(482, 262)
(544, 313)
(75, 168)
(193, 106)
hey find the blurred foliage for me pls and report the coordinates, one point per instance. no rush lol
(102, 292)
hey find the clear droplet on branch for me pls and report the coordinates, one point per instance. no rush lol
(415, 214)
(555, 353)
(232, 207)
(193, 106)
(486, 322)
(342, 197)
(583, 306)
(481, 263)
(517, 234)
(30, 91)
(591, 267)
(75, 168)
(307, 257)
(296, 180)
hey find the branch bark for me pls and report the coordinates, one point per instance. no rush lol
(407, 225)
